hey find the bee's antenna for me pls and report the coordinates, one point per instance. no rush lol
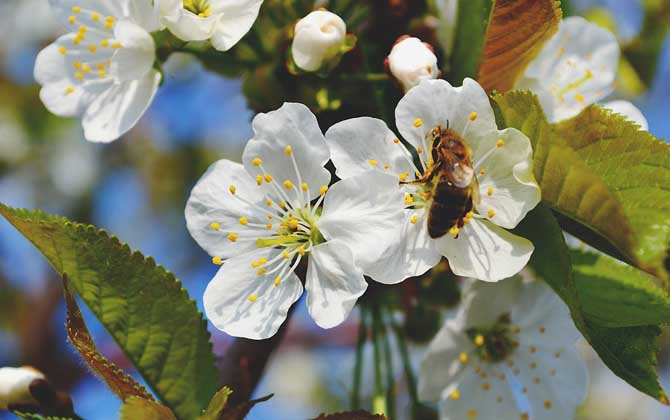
(447, 124)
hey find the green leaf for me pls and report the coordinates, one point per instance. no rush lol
(31, 416)
(469, 38)
(142, 306)
(629, 352)
(240, 411)
(616, 294)
(136, 408)
(606, 179)
(351, 415)
(217, 404)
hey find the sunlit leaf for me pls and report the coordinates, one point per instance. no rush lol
(136, 408)
(142, 306)
(217, 405)
(30, 416)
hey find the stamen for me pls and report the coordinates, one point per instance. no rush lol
(257, 162)
(472, 116)
(491, 213)
(253, 298)
(455, 395)
(244, 221)
(216, 226)
(500, 143)
(232, 189)
(479, 340)
(288, 185)
(268, 178)
(418, 122)
(373, 162)
(232, 237)
(288, 150)
(414, 219)
(217, 261)
(489, 191)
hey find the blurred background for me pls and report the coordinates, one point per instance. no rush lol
(136, 189)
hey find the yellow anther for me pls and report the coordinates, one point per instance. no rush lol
(418, 122)
(288, 150)
(257, 161)
(533, 349)
(541, 330)
(85, 68)
(268, 202)
(252, 298)
(455, 395)
(500, 143)
(288, 184)
(267, 178)
(95, 17)
(323, 189)
(92, 48)
(414, 219)
(259, 180)
(69, 90)
(482, 172)
(62, 50)
(409, 200)
(282, 204)
(261, 271)
(454, 231)
(396, 140)
(104, 43)
(72, 20)
(579, 97)
(109, 25)
(232, 189)
(83, 29)
(304, 186)
(417, 174)
(255, 264)
(76, 9)
(244, 221)
(216, 226)
(489, 191)
(232, 237)
(463, 357)
(285, 254)
(373, 162)
(403, 176)
(116, 45)
(547, 404)
(110, 19)
(79, 75)
(419, 150)
(268, 226)
(472, 116)
(77, 65)
(472, 414)
(386, 166)
(100, 66)
(479, 340)
(217, 261)
(301, 250)
(293, 223)
(491, 213)
(277, 281)
(486, 386)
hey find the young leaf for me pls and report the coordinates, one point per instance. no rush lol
(31, 416)
(142, 306)
(606, 179)
(629, 352)
(137, 408)
(124, 386)
(217, 405)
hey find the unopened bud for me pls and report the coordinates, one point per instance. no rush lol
(319, 38)
(412, 61)
(15, 386)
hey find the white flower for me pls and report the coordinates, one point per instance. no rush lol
(502, 162)
(511, 347)
(412, 61)
(319, 38)
(14, 385)
(103, 70)
(259, 221)
(576, 68)
(223, 22)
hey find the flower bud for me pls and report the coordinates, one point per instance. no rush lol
(412, 61)
(319, 40)
(15, 385)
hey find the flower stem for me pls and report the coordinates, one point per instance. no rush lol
(390, 377)
(358, 366)
(407, 367)
(379, 398)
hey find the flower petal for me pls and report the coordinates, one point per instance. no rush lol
(485, 251)
(437, 103)
(365, 212)
(577, 66)
(628, 110)
(188, 26)
(360, 144)
(333, 284)
(144, 14)
(116, 111)
(504, 164)
(291, 125)
(238, 16)
(484, 303)
(244, 304)
(137, 55)
(63, 9)
(211, 201)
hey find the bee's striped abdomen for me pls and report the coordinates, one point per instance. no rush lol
(450, 204)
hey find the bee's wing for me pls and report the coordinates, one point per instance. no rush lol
(476, 198)
(461, 175)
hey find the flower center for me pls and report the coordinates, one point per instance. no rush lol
(198, 7)
(297, 233)
(495, 343)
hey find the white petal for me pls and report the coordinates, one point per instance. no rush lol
(333, 284)
(63, 9)
(15, 385)
(441, 368)
(318, 37)
(508, 176)
(212, 202)
(577, 66)
(50, 65)
(437, 103)
(484, 303)
(291, 125)
(629, 111)
(236, 20)
(116, 111)
(485, 251)
(188, 26)
(227, 297)
(365, 212)
(357, 142)
(144, 14)
(411, 62)
(136, 57)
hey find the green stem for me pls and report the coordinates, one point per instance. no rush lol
(365, 77)
(379, 399)
(390, 377)
(407, 367)
(358, 366)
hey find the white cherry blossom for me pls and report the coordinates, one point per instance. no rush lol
(508, 354)
(261, 219)
(412, 61)
(102, 71)
(480, 247)
(14, 385)
(319, 38)
(576, 68)
(223, 22)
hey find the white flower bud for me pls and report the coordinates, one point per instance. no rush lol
(319, 38)
(412, 61)
(14, 385)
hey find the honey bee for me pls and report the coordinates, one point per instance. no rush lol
(455, 190)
